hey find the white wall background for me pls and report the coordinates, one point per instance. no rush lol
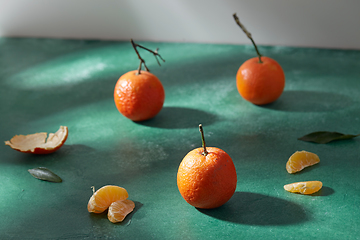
(309, 23)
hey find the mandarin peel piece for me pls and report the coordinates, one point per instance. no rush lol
(39, 143)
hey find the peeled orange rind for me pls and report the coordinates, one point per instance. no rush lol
(308, 187)
(39, 143)
(300, 160)
(119, 210)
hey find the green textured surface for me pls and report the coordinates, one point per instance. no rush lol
(47, 83)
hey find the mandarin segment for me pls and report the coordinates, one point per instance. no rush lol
(103, 197)
(119, 210)
(300, 160)
(308, 187)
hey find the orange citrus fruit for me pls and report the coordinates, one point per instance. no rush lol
(207, 177)
(308, 187)
(260, 82)
(104, 197)
(139, 96)
(39, 143)
(300, 160)
(119, 210)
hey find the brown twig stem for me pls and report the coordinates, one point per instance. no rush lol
(203, 140)
(142, 61)
(247, 34)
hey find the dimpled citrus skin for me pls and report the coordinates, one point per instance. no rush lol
(260, 83)
(207, 181)
(139, 96)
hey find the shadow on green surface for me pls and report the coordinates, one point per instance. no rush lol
(310, 101)
(324, 191)
(66, 149)
(180, 117)
(258, 209)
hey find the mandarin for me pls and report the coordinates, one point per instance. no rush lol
(206, 177)
(300, 160)
(259, 80)
(308, 187)
(139, 95)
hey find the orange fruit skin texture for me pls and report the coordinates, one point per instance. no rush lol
(139, 97)
(308, 187)
(119, 210)
(260, 83)
(300, 160)
(103, 197)
(207, 181)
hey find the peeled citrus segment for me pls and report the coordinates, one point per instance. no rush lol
(300, 160)
(119, 210)
(39, 143)
(308, 187)
(105, 196)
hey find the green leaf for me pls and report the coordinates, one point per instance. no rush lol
(45, 174)
(326, 137)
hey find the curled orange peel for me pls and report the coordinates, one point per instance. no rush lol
(39, 143)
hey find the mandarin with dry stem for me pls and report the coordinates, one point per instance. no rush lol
(104, 197)
(308, 187)
(259, 80)
(206, 177)
(39, 143)
(300, 160)
(139, 95)
(119, 210)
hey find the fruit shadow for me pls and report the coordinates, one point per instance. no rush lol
(324, 191)
(180, 117)
(258, 209)
(310, 101)
(128, 218)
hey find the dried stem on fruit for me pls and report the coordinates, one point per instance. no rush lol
(248, 34)
(203, 140)
(142, 61)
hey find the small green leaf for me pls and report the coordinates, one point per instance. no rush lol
(45, 174)
(326, 137)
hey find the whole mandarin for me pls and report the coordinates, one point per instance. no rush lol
(139, 97)
(207, 177)
(260, 82)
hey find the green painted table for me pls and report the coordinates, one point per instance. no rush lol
(47, 83)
